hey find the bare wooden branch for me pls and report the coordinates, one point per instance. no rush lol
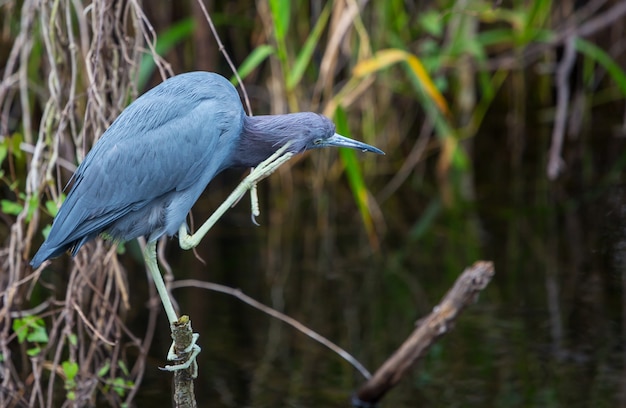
(182, 334)
(464, 292)
(194, 283)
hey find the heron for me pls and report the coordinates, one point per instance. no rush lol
(150, 166)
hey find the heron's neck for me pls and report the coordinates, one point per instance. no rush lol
(260, 137)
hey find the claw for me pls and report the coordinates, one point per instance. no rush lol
(191, 351)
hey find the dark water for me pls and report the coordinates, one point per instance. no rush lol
(548, 331)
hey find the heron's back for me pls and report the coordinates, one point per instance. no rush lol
(147, 170)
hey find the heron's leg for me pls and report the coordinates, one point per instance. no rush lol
(187, 241)
(149, 255)
(260, 172)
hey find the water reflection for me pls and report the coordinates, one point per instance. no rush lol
(549, 331)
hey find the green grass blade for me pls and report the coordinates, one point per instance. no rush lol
(304, 57)
(355, 178)
(594, 52)
(281, 10)
(426, 220)
(256, 57)
(535, 19)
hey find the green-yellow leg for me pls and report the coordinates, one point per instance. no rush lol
(187, 241)
(149, 255)
(260, 172)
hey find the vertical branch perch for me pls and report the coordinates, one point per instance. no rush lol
(182, 334)
(464, 292)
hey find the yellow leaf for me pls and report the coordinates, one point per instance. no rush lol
(428, 84)
(384, 58)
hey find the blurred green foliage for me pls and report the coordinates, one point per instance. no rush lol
(461, 95)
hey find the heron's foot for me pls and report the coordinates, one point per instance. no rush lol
(267, 167)
(255, 210)
(190, 353)
(259, 173)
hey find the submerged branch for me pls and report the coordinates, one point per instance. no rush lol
(439, 322)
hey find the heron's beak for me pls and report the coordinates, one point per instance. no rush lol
(337, 140)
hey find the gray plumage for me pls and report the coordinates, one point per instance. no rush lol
(150, 166)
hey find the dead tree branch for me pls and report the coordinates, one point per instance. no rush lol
(464, 292)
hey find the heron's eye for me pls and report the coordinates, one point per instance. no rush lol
(317, 141)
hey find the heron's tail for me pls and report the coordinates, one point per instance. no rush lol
(71, 229)
(48, 251)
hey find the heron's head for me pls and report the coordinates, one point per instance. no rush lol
(320, 132)
(263, 135)
(308, 130)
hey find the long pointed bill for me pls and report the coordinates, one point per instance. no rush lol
(337, 140)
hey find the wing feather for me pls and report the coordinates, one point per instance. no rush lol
(167, 140)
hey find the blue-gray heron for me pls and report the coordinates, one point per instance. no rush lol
(150, 166)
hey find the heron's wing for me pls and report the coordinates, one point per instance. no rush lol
(157, 145)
